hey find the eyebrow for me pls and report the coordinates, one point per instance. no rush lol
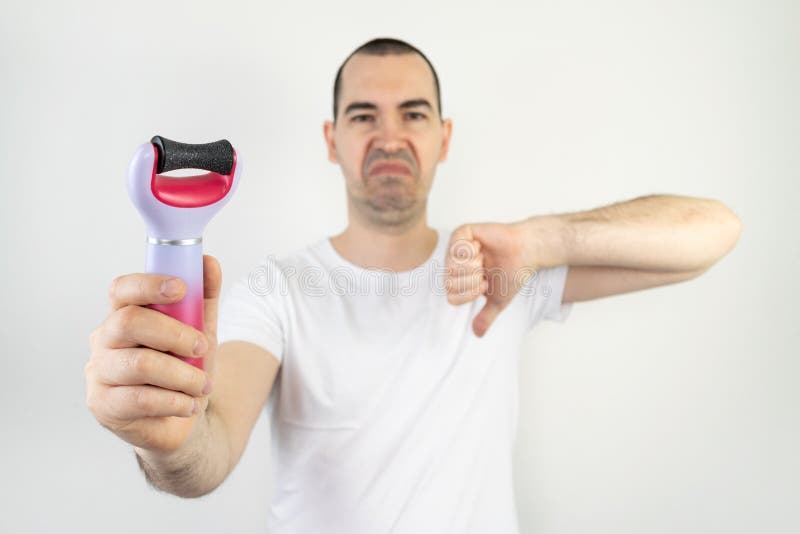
(417, 102)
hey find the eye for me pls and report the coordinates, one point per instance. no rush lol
(357, 118)
(415, 114)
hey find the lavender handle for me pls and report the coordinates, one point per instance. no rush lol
(175, 213)
(184, 262)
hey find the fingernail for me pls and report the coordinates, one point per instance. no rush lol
(171, 288)
(200, 346)
(209, 384)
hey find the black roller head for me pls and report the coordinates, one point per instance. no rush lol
(215, 157)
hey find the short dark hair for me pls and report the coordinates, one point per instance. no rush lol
(381, 47)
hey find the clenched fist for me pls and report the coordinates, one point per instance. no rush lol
(495, 260)
(147, 397)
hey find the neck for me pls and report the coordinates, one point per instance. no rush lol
(395, 248)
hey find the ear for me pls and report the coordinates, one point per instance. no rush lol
(328, 130)
(447, 131)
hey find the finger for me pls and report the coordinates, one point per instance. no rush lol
(460, 240)
(132, 326)
(462, 289)
(485, 318)
(142, 289)
(464, 254)
(462, 267)
(142, 366)
(212, 282)
(463, 232)
(463, 251)
(128, 403)
(462, 298)
(475, 263)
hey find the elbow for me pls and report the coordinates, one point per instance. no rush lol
(177, 482)
(733, 228)
(727, 228)
(185, 492)
(195, 494)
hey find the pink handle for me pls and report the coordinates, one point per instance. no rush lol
(184, 262)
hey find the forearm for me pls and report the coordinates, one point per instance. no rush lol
(196, 468)
(656, 232)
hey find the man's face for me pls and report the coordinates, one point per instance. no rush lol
(388, 137)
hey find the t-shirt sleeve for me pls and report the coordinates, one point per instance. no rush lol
(253, 310)
(543, 294)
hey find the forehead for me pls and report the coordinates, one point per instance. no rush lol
(393, 77)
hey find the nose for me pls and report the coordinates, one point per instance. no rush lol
(390, 136)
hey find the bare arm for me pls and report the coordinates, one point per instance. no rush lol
(244, 376)
(627, 246)
(655, 232)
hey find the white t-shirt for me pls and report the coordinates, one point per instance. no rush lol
(388, 414)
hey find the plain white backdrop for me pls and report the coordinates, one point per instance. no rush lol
(673, 409)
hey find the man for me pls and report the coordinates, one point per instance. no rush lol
(392, 346)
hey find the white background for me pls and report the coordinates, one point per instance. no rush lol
(673, 409)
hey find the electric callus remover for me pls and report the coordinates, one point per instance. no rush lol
(176, 210)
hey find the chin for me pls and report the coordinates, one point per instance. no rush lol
(392, 210)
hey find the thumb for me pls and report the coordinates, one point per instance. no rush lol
(486, 317)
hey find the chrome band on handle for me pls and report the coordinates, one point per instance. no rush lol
(177, 242)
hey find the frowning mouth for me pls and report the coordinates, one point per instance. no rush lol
(390, 168)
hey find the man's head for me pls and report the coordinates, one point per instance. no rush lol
(387, 133)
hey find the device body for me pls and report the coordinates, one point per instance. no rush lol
(176, 211)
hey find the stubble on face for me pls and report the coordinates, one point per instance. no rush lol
(378, 191)
(389, 198)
